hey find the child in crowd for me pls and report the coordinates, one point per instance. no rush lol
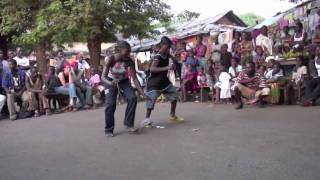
(263, 70)
(235, 68)
(296, 81)
(201, 78)
(273, 79)
(260, 57)
(189, 83)
(223, 86)
(97, 87)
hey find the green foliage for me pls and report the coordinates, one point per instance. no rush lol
(187, 16)
(250, 19)
(59, 21)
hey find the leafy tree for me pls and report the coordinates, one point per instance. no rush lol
(91, 21)
(251, 19)
(187, 16)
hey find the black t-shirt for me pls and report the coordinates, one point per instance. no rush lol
(53, 82)
(159, 81)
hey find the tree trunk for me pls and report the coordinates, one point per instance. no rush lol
(94, 46)
(42, 62)
(4, 46)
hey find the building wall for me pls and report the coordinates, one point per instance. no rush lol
(225, 20)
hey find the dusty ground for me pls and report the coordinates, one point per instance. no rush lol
(275, 143)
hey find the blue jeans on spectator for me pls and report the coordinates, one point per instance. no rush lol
(70, 90)
(126, 89)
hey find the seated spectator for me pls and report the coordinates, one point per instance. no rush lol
(235, 68)
(14, 85)
(67, 87)
(97, 87)
(252, 86)
(275, 73)
(38, 101)
(223, 86)
(84, 91)
(296, 80)
(273, 79)
(2, 93)
(51, 82)
(22, 62)
(262, 71)
(225, 56)
(312, 92)
(270, 62)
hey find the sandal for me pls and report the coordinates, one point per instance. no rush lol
(36, 113)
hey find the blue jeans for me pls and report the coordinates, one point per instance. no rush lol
(70, 90)
(129, 93)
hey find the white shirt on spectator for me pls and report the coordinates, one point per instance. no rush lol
(22, 61)
(233, 72)
(275, 77)
(297, 76)
(83, 65)
(264, 41)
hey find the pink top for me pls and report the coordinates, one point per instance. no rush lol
(95, 80)
(200, 50)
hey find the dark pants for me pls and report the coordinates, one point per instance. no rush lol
(312, 89)
(129, 93)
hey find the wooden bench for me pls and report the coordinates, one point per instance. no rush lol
(55, 97)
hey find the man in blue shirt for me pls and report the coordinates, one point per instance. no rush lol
(2, 93)
(14, 85)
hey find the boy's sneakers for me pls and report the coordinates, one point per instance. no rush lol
(176, 119)
(109, 134)
(147, 123)
(132, 130)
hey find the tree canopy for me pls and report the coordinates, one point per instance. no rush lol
(251, 19)
(41, 22)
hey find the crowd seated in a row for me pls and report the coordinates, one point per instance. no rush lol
(28, 93)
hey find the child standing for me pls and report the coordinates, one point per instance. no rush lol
(224, 86)
(158, 82)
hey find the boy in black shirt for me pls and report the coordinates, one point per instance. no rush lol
(158, 82)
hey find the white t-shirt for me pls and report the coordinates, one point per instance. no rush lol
(275, 77)
(264, 41)
(23, 61)
(234, 72)
(317, 66)
(297, 76)
(83, 65)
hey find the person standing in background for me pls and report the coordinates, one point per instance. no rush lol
(22, 62)
(264, 41)
(200, 52)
